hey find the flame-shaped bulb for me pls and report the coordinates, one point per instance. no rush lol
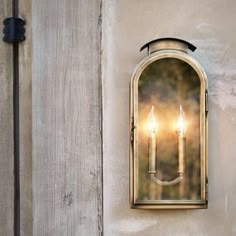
(152, 121)
(181, 122)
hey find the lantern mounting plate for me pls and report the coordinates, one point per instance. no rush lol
(168, 43)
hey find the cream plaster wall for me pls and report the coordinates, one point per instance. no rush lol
(210, 25)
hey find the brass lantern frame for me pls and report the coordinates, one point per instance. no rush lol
(171, 49)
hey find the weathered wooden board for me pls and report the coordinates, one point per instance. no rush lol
(25, 119)
(6, 130)
(66, 118)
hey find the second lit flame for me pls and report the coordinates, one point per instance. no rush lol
(181, 123)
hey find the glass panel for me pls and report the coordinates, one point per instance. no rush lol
(166, 85)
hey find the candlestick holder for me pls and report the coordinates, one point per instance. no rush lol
(180, 131)
(167, 85)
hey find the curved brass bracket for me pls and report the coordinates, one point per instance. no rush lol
(188, 45)
(167, 183)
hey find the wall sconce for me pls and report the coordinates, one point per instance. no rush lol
(168, 128)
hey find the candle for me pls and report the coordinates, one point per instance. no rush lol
(152, 126)
(181, 126)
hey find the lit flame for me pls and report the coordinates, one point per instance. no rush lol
(152, 121)
(181, 123)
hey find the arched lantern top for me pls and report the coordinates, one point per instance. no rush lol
(170, 53)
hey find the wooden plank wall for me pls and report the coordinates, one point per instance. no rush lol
(25, 120)
(66, 138)
(6, 130)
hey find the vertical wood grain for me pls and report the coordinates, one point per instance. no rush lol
(6, 130)
(25, 122)
(66, 118)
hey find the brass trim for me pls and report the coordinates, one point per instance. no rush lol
(169, 206)
(176, 204)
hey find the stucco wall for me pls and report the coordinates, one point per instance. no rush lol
(210, 25)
